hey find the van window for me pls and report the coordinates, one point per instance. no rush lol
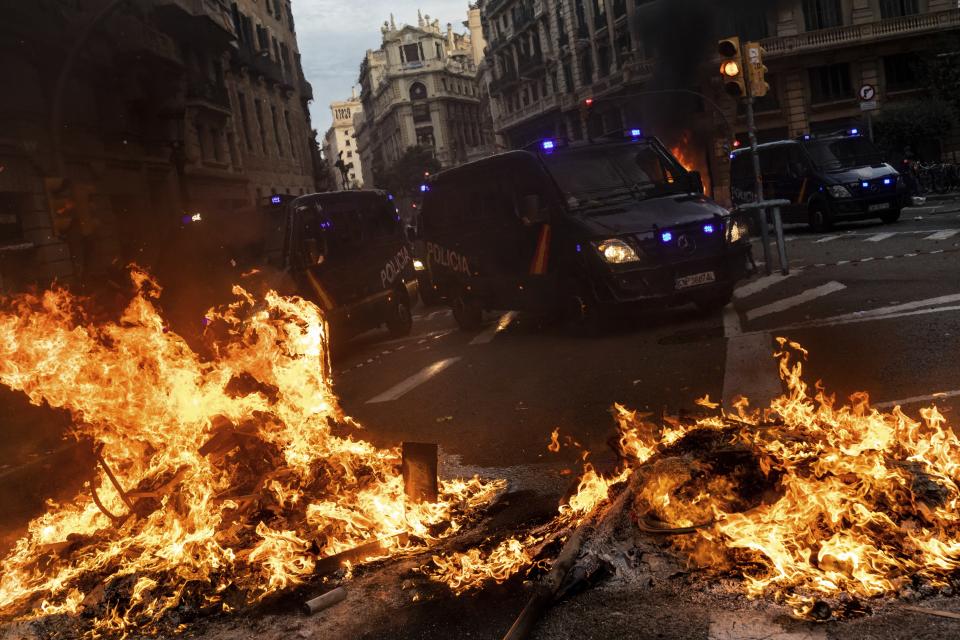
(590, 171)
(741, 168)
(774, 161)
(379, 219)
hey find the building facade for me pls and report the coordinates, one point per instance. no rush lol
(340, 143)
(545, 58)
(132, 118)
(420, 88)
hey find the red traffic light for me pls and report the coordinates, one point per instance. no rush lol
(588, 102)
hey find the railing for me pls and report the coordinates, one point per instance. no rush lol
(861, 33)
(210, 93)
(215, 11)
(138, 37)
(532, 63)
(506, 79)
(538, 107)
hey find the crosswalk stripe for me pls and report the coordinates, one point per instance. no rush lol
(880, 237)
(827, 239)
(794, 301)
(758, 285)
(413, 381)
(491, 332)
(943, 235)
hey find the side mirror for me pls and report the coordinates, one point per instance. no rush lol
(532, 210)
(695, 183)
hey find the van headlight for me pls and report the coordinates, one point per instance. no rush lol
(616, 251)
(839, 191)
(738, 231)
(418, 265)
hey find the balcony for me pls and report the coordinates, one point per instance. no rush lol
(260, 63)
(197, 19)
(861, 34)
(529, 66)
(209, 95)
(532, 110)
(306, 89)
(506, 80)
(136, 41)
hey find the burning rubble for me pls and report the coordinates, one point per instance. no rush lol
(815, 505)
(221, 480)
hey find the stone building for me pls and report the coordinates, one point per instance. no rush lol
(130, 119)
(341, 138)
(420, 89)
(547, 57)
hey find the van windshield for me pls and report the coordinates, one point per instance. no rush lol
(599, 173)
(843, 153)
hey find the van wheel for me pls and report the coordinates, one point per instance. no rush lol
(891, 216)
(820, 218)
(400, 320)
(583, 315)
(467, 312)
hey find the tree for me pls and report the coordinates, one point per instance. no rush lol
(404, 177)
(913, 124)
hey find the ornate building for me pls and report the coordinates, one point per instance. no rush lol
(341, 143)
(420, 89)
(546, 57)
(130, 119)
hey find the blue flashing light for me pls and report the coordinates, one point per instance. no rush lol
(854, 132)
(579, 248)
(666, 237)
(888, 181)
(708, 228)
(865, 185)
(636, 133)
(548, 145)
(389, 196)
(807, 136)
(424, 188)
(276, 200)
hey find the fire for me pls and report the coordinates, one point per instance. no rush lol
(848, 500)
(221, 479)
(684, 152)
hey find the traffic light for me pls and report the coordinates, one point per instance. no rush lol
(731, 67)
(756, 70)
(586, 108)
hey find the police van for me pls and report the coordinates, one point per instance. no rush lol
(826, 179)
(347, 252)
(580, 229)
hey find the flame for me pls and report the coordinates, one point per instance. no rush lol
(232, 476)
(554, 446)
(684, 152)
(865, 503)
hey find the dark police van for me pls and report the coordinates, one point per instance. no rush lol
(347, 252)
(578, 229)
(838, 177)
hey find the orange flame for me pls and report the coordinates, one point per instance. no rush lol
(234, 481)
(684, 152)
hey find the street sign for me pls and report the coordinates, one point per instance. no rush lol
(867, 93)
(869, 105)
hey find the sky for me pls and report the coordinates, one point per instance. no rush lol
(334, 35)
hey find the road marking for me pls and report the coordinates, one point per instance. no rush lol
(759, 285)
(413, 381)
(491, 332)
(943, 235)
(731, 625)
(794, 301)
(943, 395)
(833, 322)
(879, 237)
(827, 239)
(867, 259)
(889, 310)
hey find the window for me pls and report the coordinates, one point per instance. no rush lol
(830, 83)
(346, 142)
(263, 38)
(418, 91)
(349, 154)
(822, 14)
(439, 51)
(245, 121)
(286, 121)
(421, 112)
(258, 110)
(276, 130)
(901, 71)
(425, 137)
(410, 53)
(897, 8)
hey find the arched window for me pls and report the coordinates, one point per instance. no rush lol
(418, 91)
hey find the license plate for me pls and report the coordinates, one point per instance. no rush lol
(883, 206)
(696, 279)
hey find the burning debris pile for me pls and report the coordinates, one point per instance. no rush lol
(814, 505)
(220, 480)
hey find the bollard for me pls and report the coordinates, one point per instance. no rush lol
(419, 468)
(781, 245)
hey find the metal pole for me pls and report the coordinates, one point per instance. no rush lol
(758, 180)
(781, 246)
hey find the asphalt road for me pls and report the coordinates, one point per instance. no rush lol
(875, 304)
